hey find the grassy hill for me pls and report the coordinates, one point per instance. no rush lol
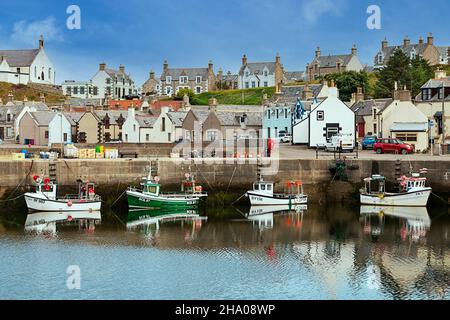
(20, 91)
(247, 96)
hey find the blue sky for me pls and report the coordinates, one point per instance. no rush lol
(141, 34)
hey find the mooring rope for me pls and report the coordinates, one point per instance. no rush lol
(15, 198)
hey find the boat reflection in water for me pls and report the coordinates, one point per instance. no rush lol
(49, 222)
(415, 221)
(150, 221)
(262, 216)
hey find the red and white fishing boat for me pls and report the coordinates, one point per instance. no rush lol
(45, 197)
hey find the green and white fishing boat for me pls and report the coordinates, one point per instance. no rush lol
(150, 196)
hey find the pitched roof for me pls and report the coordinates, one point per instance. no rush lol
(43, 118)
(365, 107)
(258, 67)
(112, 114)
(331, 60)
(233, 118)
(177, 118)
(19, 58)
(174, 104)
(230, 77)
(295, 75)
(146, 121)
(175, 73)
(418, 48)
(118, 74)
(125, 104)
(73, 117)
(289, 94)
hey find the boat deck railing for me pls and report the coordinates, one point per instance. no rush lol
(77, 197)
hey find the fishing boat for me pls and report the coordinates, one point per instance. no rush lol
(413, 192)
(45, 197)
(46, 222)
(263, 194)
(150, 196)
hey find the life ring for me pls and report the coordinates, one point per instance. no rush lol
(69, 203)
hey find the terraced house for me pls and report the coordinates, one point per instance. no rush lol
(106, 83)
(435, 55)
(196, 79)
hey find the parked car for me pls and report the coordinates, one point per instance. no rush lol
(368, 142)
(341, 142)
(284, 137)
(392, 145)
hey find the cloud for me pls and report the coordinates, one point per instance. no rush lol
(313, 10)
(28, 32)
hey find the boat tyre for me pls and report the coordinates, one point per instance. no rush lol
(379, 151)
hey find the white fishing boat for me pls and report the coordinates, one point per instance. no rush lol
(45, 222)
(413, 192)
(262, 194)
(45, 197)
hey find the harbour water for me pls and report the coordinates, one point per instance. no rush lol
(237, 253)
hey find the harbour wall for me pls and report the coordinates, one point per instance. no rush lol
(216, 176)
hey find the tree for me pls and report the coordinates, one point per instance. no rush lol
(421, 72)
(348, 82)
(397, 70)
(180, 94)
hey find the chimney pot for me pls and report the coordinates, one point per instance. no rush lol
(102, 66)
(122, 68)
(318, 52)
(406, 42)
(244, 60)
(354, 50)
(430, 39)
(384, 43)
(41, 42)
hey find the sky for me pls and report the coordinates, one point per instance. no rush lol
(189, 33)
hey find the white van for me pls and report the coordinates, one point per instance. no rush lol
(341, 142)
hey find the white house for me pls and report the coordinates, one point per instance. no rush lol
(59, 129)
(27, 65)
(325, 119)
(112, 83)
(260, 74)
(138, 128)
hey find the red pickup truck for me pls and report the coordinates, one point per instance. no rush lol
(384, 145)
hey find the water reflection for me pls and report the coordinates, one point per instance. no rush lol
(263, 216)
(414, 222)
(50, 222)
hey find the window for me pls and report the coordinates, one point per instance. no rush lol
(8, 117)
(268, 132)
(168, 79)
(320, 115)
(266, 84)
(147, 137)
(253, 84)
(198, 89)
(75, 90)
(266, 73)
(169, 136)
(163, 124)
(107, 137)
(9, 132)
(332, 131)
(35, 71)
(286, 113)
(375, 129)
(126, 137)
(81, 90)
(407, 137)
(46, 135)
(187, 135)
(212, 135)
(95, 91)
(198, 79)
(18, 70)
(68, 90)
(263, 187)
(246, 85)
(168, 90)
(380, 59)
(426, 94)
(42, 75)
(108, 80)
(183, 79)
(268, 114)
(269, 187)
(247, 73)
(374, 113)
(65, 137)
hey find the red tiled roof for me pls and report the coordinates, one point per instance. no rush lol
(157, 105)
(124, 104)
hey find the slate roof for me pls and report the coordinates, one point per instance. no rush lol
(331, 60)
(418, 48)
(146, 121)
(289, 94)
(117, 74)
(295, 75)
(43, 118)
(191, 73)
(19, 58)
(364, 107)
(258, 67)
(233, 118)
(230, 77)
(177, 118)
(112, 114)
(230, 108)
(73, 117)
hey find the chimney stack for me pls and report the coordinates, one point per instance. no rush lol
(318, 52)
(406, 42)
(244, 60)
(430, 39)
(152, 74)
(401, 95)
(440, 74)
(212, 104)
(165, 66)
(122, 68)
(384, 44)
(420, 40)
(210, 66)
(354, 50)
(102, 66)
(220, 75)
(41, 42)
(277, 59)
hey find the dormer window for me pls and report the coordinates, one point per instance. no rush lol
(266, 73)
(413, 55)
(198, 79)
(8, 117)
(168, 79)
(183, 79)
(380, 59)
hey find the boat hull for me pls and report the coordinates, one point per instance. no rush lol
(257, 199)
(36, 202)
(408, 199)
(140, 200)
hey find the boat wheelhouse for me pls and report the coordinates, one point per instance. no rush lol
(150, 195)
(413, 192)
(45, 197)
(263, 194)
